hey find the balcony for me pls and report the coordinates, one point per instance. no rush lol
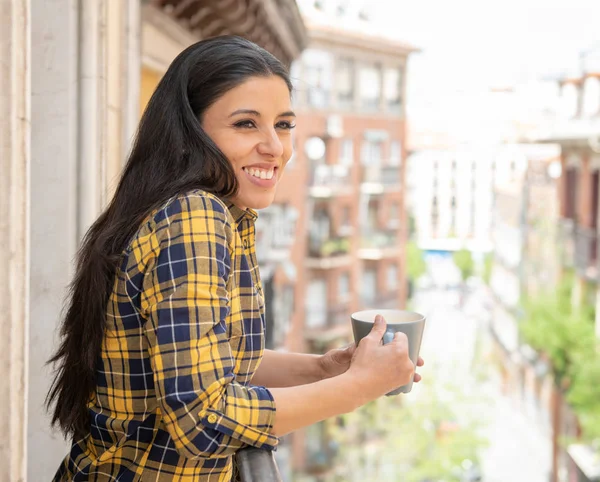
(329, 180)
(380, 179)
(566, 242)
(586, 252)
(382, 301)
(379, 245)
(328, 253)
(325, 324)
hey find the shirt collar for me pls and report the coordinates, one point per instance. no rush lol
(240, 214)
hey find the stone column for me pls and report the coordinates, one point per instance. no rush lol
(14, 233)
(85, 81)
(54, 129)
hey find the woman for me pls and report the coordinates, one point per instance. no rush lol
(162, 373)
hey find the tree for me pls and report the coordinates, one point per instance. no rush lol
(415, 264)
(488, 264)
(418, 439)
(464, 262)
(565, 334)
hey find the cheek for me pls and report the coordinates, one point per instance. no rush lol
(288, 150)
(237, 151)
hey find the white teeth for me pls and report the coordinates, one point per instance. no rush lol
(259, 173)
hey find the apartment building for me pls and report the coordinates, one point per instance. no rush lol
(340, 207)
(577, 131)
(451, 198)
(525, 261)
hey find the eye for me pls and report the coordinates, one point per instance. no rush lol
(245, 124)
(286, 125)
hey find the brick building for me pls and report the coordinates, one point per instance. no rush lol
(577, 131)
(340, 208)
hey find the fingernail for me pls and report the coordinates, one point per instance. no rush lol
(378, 319)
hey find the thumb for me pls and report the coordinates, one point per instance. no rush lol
(378, 329)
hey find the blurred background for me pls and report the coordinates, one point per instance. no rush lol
(447, 160)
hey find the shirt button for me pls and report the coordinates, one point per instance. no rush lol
(212, 418)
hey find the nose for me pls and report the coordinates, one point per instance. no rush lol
(271, 144)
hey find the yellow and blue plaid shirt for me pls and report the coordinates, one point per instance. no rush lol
(184, 336)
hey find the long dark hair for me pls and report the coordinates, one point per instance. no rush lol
(171, 155)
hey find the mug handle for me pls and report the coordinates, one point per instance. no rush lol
(388, 336)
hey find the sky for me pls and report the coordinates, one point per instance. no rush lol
(468, 47)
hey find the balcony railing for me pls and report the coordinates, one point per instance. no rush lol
(379, 244)
(257, 465)
(380, 178)
(566, 241)
(330, 179)
(325, 248)
(586, 252)
(325, 323)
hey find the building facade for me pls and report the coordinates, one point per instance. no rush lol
(577, 131)
(525, 262)
(76, 76)
(451, 198)
(340, 207)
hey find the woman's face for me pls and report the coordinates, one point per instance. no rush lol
(251, 124)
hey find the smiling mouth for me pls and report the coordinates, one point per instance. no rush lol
(264, 174)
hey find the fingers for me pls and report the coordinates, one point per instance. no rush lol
(418, 378)
(378, 330)
(420, 362)
(401, 339)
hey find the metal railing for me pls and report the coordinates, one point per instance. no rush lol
(566, 240)
(386, 175)
(586, 250)
(257, 465)
(322, 248)
(379, 239)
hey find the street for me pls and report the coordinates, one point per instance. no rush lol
(454, 343)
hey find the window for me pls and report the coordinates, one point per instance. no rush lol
(318, 73)
(395, 153)
(392, 89)
(345, 82)
(347, 152)
(316, 303)
(591, 96)
(346, 216)
(370, 87)
(371, 153)
(344, 286)
(369, 286)
(372, 216)
(283, 310)
(392, 277)
(394, 215)
(570, 100)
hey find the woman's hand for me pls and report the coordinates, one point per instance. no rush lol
(337, 361)
(378, 368)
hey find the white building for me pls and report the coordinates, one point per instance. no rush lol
(451, 198)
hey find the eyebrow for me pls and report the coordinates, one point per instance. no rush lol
(288, 113)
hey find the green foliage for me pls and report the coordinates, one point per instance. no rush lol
(488, 264)
(415, 264)
(464, 262)
(395, 438)
(565, 333)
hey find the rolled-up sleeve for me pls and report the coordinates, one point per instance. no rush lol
(185, 300)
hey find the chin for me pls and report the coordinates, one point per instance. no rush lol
(260, 202)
